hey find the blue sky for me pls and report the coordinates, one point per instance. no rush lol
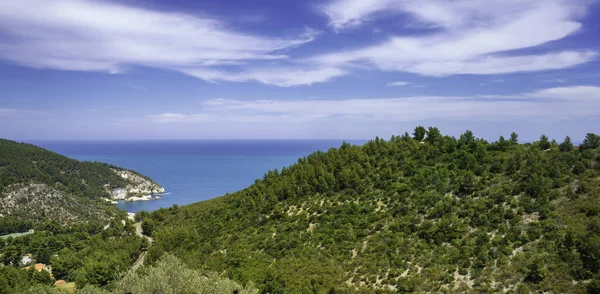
(349, 69)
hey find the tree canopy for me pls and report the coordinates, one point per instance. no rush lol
(429, 213)
(424, 213)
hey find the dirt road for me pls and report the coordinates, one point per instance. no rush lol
(140, 260)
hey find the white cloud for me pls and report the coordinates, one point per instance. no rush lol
(170, 117)
(466, 37)
(457, 14)
(500, 65)
(87, 35)
(397, 84)
(576, 93)
(569, 102)
(472, 36)
(278, 76)
(350, 13)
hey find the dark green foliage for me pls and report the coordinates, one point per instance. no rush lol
(544, 142)
(419, 133)
(148, 227)
(168, 276)
(591, 141)
(594, 287)
(273, 284)
(501, 145)
(566, 145)
(433, 135)
(514, 138)
(20, 162)
(428, 214)
(84, 253)
(9, 225)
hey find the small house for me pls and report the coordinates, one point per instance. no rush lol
(26, 259)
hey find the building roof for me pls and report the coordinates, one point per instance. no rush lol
(26, 259)
(40, 266)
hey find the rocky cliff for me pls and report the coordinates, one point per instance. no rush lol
(41, 202)
(137, 187)
(40, 185)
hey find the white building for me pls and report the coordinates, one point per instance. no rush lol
(26, 259)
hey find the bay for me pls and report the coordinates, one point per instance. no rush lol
(192, 170)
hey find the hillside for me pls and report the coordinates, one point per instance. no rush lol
(416, 213)
(37, 184)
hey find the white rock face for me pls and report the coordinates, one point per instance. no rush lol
(43, 202)
(139, 189)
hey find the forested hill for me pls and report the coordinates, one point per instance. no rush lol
(37, 184)
(416, 213)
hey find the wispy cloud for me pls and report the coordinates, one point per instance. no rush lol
(455, 15)
(589, 94)
(86, 35)
(560, 81)
(397, 84)
(457, 37)
(278, 76)
(137, 87)
(472, 36)
(567, 102)
(17, 113)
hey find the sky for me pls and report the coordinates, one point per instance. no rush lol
(272, 69)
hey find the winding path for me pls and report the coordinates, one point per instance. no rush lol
(140, 260)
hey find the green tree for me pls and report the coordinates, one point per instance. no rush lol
(170, 275)
(501, 145)
(41, 277)
(419, 133)
(514, 138)
(566, 145)
(544, 142)
(4, 285)
(433, 135)
(591, 141)
(467, 141)
(148, 227)
(273, 284)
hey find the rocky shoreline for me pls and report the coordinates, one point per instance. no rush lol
(138, 189)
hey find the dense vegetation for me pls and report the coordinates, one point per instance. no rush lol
(9, 224)
(414, 213)
(37, 184)
(91, 253)
(168, 276)
(101, 267)
(21, 162)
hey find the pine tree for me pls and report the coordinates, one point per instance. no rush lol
(592, 141)
(419, 133)
(566, 145)
(433, 135)
(514, 138)
(544, 142)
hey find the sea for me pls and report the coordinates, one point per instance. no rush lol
(192, 170)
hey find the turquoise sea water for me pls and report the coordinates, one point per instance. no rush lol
(192, 171)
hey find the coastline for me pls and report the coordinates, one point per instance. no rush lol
(148, 197)
(142, 198)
